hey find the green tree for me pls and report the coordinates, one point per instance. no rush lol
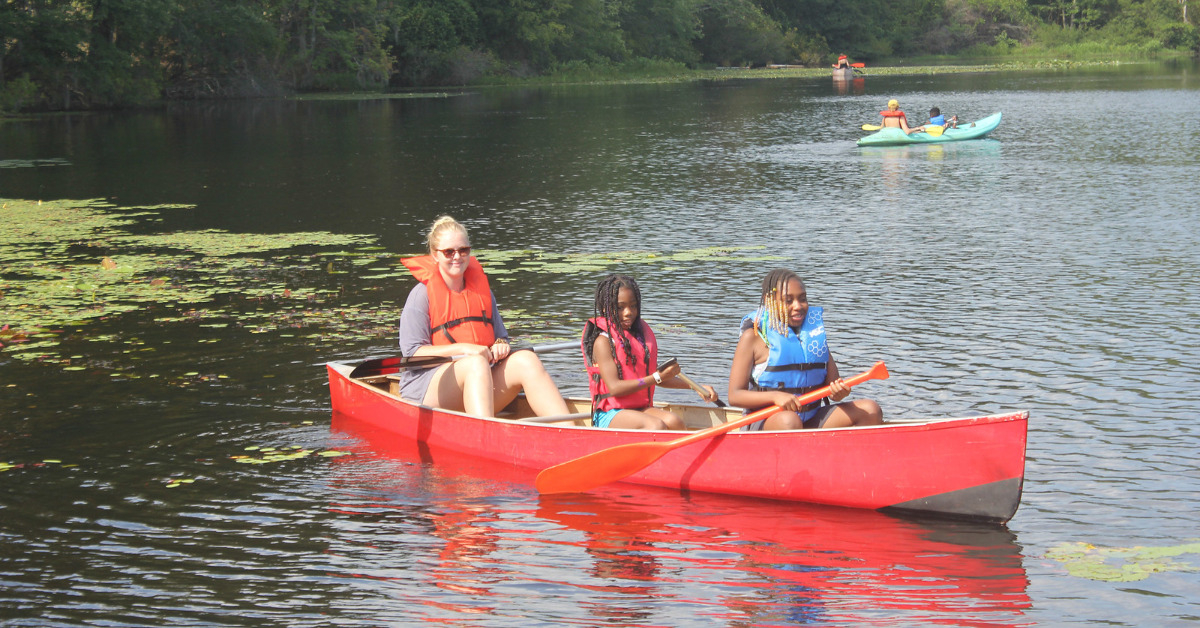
(662, 29)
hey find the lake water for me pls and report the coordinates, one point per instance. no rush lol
(1051, 268)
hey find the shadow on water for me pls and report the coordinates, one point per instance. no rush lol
(633, 555)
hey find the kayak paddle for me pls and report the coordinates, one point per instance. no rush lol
(934, 130)
(615, 463)
(384, 366)
(871, 127)
(858, 65)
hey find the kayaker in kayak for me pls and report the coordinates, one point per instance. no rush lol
(842, 63)
(620, 354)
(894, 117)
(782, 353)
(452, 312)
(937, 119)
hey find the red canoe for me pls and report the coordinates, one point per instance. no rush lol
(964, 467)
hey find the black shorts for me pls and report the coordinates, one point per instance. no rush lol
(816, 421)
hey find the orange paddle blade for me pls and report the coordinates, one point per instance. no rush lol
(858, 65)
(599, 468)
(615, 463)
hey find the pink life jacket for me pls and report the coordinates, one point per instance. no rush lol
(645, 362)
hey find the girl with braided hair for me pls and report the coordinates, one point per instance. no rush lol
(620, 353)
(781, 354)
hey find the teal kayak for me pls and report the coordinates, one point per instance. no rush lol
(895, 137)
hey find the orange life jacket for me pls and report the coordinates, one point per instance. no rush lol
(892, 114)
(468, 313)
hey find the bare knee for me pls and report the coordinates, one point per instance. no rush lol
(784, 421)
(473, 368)
(867, 412)
(525, 361)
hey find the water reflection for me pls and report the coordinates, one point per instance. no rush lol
(634, 555)
(856, 86)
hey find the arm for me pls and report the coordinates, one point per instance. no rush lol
(602, 353)
(500, 348)
(671, 379)
(834, 381)
(750, 351)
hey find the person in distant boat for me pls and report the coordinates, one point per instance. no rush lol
(842, 63)
(895, 118)
(452, 312)
(620, 354)
(937, 119)
(782, 353)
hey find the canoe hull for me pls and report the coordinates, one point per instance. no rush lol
(896, 137)
(971, 467)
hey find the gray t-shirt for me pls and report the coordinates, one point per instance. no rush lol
(414, 334)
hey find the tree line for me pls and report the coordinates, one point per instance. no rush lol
(62, 55)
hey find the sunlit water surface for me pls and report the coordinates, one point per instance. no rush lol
(1051, 268)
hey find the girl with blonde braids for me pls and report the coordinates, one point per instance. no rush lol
(781, 354)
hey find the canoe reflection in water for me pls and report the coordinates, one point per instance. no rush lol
(633, 555)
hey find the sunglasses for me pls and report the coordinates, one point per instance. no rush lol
(450, 253)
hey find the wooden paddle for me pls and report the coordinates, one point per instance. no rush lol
(698, 388)
(615, 463)
(384, 366)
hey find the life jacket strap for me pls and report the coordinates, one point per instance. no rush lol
(445, 327)
(802, 366)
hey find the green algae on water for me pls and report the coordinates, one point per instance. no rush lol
(1122, 564)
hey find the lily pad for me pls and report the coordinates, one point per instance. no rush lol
(1084, 560)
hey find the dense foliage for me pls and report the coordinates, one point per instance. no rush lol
(60, 54)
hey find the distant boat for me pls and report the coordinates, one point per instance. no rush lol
(843, 74)
(892, 136)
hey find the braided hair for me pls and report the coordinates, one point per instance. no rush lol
(606, 308)
(774, 286)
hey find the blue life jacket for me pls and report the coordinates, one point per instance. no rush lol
(939, 120)
(797, 362)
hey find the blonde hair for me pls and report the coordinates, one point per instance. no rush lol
(774, 285)
(442, 225)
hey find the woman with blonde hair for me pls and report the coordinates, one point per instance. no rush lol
(452, 312)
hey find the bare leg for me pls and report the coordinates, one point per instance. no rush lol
(638, 420)
(464, 385)
(784, 420)
(854, 414)
(522, 370)
(670, 419)
(647, 419)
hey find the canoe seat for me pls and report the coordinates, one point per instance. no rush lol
(578, 416)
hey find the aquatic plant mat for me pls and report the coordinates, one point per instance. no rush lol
(72, 269)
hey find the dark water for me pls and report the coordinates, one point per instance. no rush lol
(1050, 269)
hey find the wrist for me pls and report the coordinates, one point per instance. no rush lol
(501, 341)
(657, 377)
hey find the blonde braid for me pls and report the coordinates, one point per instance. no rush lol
(774, 285)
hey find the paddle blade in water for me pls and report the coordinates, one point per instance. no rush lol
(599, 468)
(935, 130)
